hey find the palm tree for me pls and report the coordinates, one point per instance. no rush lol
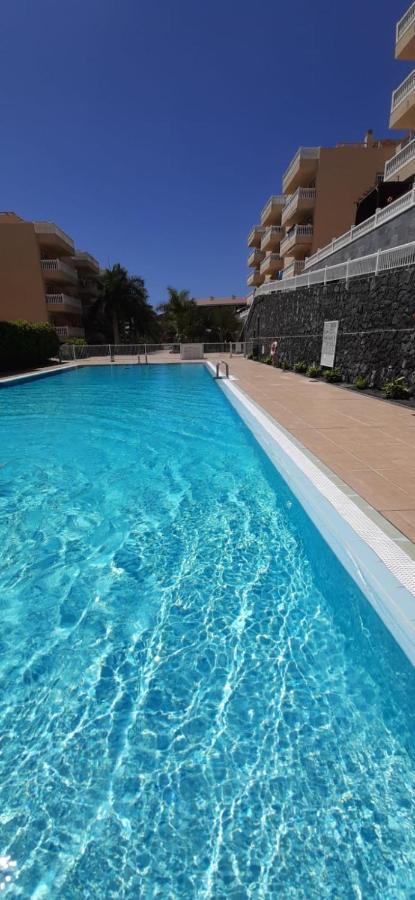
(180, 315)
(123, 309)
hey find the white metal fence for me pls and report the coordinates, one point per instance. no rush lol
(143, 353)
(372, 264)
(380, 217)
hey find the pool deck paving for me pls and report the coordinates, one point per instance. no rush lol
(368, 443)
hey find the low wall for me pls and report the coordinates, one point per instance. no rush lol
(397, 231)
(376, 324)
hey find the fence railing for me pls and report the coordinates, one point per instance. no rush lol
(143, 353)
(405, 155)
(403, 90)
(404, 23)
(379, 218)
(381, 261)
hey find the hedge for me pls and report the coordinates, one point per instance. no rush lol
(26, 344)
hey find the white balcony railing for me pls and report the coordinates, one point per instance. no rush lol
(403, 90)
(294, 199)
(381, 216)
(51, 228)
(274, 231)
(271, 263)
(400, 160)
(405, 22)
(302, 153)
(295, 268)
(63, 300)
(64, 331)
(49, 266)
(296, 235)
(275, 200)
(373, 264)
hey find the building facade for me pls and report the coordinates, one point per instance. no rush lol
(402, 165)
(42, 276)
(304, 217)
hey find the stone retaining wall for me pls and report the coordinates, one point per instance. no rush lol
(376, 324)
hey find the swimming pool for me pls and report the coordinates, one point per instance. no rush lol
(197, 700)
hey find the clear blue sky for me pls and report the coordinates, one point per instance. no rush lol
(153, 132)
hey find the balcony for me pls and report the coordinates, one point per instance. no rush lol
(69, 331)
(300, 205)
(86, 262)
(255, 235)
(402, 165)
(54, 239)
(272, 237)
(271, 264)
(59, 271)
(403, 104)
(255, 278)
(255, 258)
(298, 241)
(405, 35)
(63, 303)
(295, 268)
(302, 169)
(271, 213)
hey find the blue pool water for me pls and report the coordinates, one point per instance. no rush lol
(196, 701)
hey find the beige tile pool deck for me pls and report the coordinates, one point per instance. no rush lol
(367, 443)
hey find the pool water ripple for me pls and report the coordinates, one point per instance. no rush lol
(197, 700)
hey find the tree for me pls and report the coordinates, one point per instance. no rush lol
(123, 311)
(180, 316)
(221, 324)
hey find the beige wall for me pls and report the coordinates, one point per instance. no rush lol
(344, 175)
(22, 292)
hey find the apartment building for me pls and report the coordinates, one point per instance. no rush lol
(401, 166)
(320, 189)
(43, 278)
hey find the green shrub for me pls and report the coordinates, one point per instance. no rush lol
(76, 342)
(300, 367)
(313, 371)
(397, 389)
(361, 383)
(286, 365)
(251, 356)
(267, 360)
(26, 344)
(333, 376)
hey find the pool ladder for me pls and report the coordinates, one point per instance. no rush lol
(218, 365)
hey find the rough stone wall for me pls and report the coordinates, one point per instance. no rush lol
(400, 230)
(376, 325)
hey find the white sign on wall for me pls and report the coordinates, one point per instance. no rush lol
(328, 349)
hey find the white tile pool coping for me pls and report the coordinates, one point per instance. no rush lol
(377, 563)
(375, 560)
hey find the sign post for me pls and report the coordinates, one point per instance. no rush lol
(328, 348)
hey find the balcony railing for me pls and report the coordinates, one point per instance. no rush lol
(272, 236)
(255, 235)
(373, 264)
(275, 202)
(63, 300)
(403, 90)
(271, 263)
(298, 234)
(295, 268)
(401, 159)
(405, 22)
(302, 153)
(51, 228)
(381, 216)
(255, 258)
(57, 266)
(64, 331)
(300, 194)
